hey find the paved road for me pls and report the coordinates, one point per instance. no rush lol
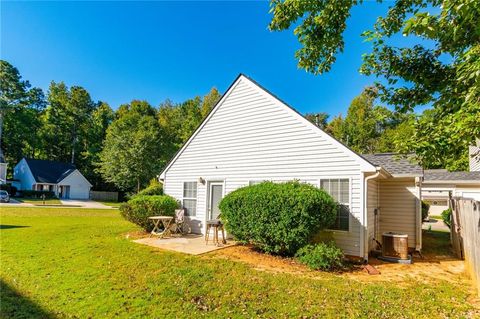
(81, 203)
(16, 203)
(85, 203)
(436, 225)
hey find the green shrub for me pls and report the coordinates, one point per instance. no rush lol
(37, 194)
(447, 217)
(138, 209)
(322, 256)
(425, 208)
(277, 218)
(156, 189)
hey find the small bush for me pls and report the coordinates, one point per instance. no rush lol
(277, 218)
(37, 194)
(138, 209)
(425, 208)
(447, 217)
(322, 256)
(156, 189)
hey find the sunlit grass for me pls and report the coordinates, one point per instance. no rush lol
(78, 263)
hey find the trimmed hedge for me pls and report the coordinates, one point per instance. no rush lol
(277, 218)
(425, 209)
(37, 194)
(447, 217)
(322, 256)
(151, 190)
(138, 209)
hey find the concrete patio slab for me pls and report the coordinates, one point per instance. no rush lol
(189, 244)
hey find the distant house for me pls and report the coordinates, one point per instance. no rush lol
(61, 178)
(251, 136)
(439, 185)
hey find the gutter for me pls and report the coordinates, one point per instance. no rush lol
(363, 232)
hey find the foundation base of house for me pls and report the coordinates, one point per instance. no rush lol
(397, 260)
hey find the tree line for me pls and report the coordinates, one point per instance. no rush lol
(115, 150)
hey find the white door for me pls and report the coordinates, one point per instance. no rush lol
(215, 196)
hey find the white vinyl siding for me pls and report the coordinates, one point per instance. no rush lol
(398, 205)
(252, 137)
(339, 189)
(189, 200)
(373, 228)
(79, 185)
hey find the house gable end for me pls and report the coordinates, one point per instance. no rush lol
(244, 94)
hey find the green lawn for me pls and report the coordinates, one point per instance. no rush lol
(111, 204)
(39, 201)
(77, 263)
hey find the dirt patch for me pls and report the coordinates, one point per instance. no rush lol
(425, 269)
(261, 261)
(138, 234)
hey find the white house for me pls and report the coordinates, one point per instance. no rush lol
(61, 178)
(439, 186)
(251, 136)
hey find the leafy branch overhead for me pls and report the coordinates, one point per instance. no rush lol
(441, 67)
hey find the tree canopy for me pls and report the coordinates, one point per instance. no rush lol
(440, 70)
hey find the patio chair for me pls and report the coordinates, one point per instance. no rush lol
(180, 225)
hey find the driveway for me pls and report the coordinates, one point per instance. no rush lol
(85, 203)
(436, 224)
(16, 203)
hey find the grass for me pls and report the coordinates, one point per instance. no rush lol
(77, 263)
(436, 242)
(39, 201)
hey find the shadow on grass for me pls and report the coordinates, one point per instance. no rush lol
(12, 226)
(14, 305)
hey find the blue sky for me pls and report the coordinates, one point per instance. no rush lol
(121, 51)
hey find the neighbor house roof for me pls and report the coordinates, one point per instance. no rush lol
(49, 171)
(442, 175)
(395, 164)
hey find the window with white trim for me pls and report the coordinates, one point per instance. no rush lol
(189, 201)
(339, 189)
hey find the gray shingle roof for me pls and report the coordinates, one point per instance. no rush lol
(444, 175)
(395, 164)
(49, 171)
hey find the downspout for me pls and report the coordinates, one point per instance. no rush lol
(364, 228)
(418, 220)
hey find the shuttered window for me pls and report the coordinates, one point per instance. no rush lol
(190, 198)
(339, 189)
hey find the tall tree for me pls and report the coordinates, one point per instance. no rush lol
(101, 118)
(319, 119)
(132, 152)
(67, 120)
(20, 106)
(179, 121)
(441, 71)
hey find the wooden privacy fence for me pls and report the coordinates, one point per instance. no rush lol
(104, 196)
(465, 235)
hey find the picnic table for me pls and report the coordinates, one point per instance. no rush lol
(159, 221)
